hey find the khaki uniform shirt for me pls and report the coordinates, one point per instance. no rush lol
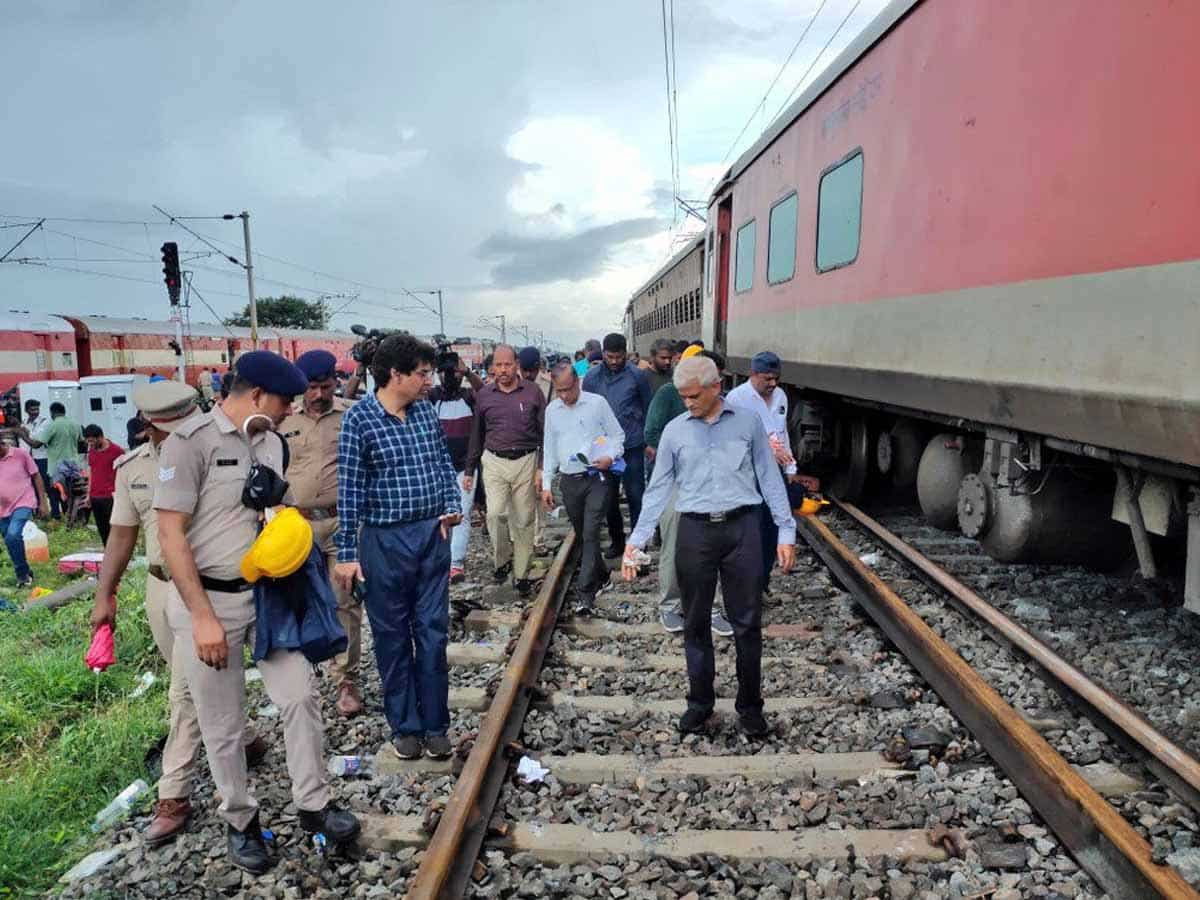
(133, 499)
(313, 449)
(202, 469)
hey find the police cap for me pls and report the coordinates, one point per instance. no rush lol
(271, 372)
(317, 365)
(165, 404)
(765, 363)
(529, 358)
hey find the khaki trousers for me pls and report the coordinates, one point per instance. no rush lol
(220, 695)
(183, 739)
(508, 484)
(344, 666)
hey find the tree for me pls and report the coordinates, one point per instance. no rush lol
(286, 312)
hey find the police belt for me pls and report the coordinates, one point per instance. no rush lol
(715, 518)
(225, 585)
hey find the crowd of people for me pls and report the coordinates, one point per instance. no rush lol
(387, 485)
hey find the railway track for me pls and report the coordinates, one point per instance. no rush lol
(967, 798)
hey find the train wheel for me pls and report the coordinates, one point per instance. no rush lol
(854, 452)
(898, 453)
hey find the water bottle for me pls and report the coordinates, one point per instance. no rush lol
(143, 685)
(121, 805)
(348, 766)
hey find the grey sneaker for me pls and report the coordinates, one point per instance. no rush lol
(672, 620)
(437, 746)
(407, 746)
(721, 626)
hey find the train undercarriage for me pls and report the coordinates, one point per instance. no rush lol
(1025, 498)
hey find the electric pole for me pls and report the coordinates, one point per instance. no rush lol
(245, 217)
(490, 322)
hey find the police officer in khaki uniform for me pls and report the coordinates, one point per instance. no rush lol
(166, 405)
(312, 437)
(217, 472)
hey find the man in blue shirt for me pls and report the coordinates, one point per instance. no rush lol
(579, 423)
(396, 480)
(628, 393)
(719, 462)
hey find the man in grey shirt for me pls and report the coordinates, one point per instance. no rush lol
(717, 458)
(579, 423)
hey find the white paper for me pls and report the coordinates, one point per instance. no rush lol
(531, 771)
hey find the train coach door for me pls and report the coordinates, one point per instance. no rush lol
(720, 320)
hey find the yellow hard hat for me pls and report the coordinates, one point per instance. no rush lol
(691, 351)
(810, 506)
(280, 548)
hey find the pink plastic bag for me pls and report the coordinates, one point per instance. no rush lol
(101, 654)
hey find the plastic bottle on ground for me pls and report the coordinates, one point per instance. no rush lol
(121, 805)
(348, 766)
(37, 545)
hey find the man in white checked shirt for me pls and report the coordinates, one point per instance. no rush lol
(575, 424)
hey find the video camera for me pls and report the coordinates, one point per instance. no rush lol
(364, 351)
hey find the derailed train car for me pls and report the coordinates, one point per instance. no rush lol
(975, 242)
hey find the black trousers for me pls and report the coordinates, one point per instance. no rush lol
(102, 511)
(634, 480)
(732, 552)
(586, 499)
(770, 541)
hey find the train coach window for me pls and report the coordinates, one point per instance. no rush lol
(781, 240)
(839, 213)
(743, 278)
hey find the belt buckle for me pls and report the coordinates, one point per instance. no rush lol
(717, 517)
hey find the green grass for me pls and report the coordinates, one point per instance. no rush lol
(69, 739)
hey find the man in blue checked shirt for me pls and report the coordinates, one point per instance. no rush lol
(398, 500)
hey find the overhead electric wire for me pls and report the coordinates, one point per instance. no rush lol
(774, 81)
(816, 59)
(200, 237)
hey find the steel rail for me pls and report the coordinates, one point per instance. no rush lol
(1095, 834)
(449, 858)
(1167, 760)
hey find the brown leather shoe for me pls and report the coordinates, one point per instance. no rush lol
(256, 751)
(170, 818)
(349, 703)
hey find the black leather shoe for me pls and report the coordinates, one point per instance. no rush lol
(692, 721)
(614, 551)
(501, 574)
(247, 850)
(338, 825)
(523, 586)
(754, 725)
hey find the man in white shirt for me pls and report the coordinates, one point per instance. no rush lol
(33, 424)
(763, 396)
(579, 423)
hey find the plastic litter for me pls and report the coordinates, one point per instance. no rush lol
(268, 834)
(101, 654)
(121, 805)
(143, 685)
(531, 771)
(268, 711)
(556, 513)
(638, 558)
(319, 843)
(37, 544)
(90, 865)
(84, 561)
(253, 675)
(870, 559)
(346, 766)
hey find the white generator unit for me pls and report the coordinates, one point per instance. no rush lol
(107, 401)
(46, 392)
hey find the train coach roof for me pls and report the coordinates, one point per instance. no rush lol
(675, 260)
(113, 325)
(310, 335)
(866, 39)
(22, 320)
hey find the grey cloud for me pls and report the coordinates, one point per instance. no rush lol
(535, 260)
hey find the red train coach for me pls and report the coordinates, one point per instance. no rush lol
(35, 347)
(975, 243)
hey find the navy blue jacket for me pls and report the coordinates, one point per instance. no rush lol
(628, 393)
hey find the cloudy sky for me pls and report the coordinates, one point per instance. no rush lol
(513, 153)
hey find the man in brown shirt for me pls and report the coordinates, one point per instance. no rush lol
(312, 439)
(507, 437)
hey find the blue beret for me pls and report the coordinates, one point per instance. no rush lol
(317, 365)
(271, 372)
(529, 358)
(765, 363)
